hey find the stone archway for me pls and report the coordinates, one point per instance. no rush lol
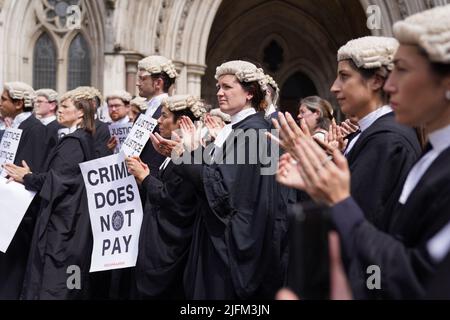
(286, 38)
(20, 35)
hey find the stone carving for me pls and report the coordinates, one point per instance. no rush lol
(181, 25)
(54, 14)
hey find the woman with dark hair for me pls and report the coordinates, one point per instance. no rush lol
(169, 211)
(381, 154)
(237, 249)
(406, 252)
(317, 114)
(62, 236)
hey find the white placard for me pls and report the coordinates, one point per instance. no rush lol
(139, 135)
(8, 147)
(115, 210)
(120, 131)
(14, 202)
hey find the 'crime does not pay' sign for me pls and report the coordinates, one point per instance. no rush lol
(115, 210)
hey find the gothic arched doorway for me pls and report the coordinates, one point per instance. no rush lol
(294, 41)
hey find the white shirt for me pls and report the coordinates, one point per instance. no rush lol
(124, 120)
(165, 163)
(19, 119)
(46, 121)
(154, 103)
(439, 246)
(271, 109)
(440, 141)
(227, 129)
(366, 122)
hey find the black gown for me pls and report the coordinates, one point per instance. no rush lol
(52, 133)
(101, 138)
(235, 246)
(149, 155)
(62, 236)
(438, 288)
(401, 251)
(32, 148)
(379, 163)
(166, 233)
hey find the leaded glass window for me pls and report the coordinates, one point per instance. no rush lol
(44, 63)
(79, 73)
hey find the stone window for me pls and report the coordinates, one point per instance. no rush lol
(45, 63)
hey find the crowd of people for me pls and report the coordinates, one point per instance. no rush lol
(220, 227)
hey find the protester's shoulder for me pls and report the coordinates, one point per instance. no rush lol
(389, 132)
(32, 123)
(255, 121)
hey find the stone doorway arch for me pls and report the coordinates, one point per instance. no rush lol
(287, 38)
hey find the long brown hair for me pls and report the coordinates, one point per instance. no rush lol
(253, 88)
(88, 122)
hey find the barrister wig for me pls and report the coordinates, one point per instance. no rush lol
(430, 30)
(370, 52)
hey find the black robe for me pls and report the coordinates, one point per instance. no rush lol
(52, 133)
(149, 155)
(62, 236)
(234, 247)
(438, 287)
(379, 163)
(101, 138)
(166, 233)
(401, 252)
(32, 148)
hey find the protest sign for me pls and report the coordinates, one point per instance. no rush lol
(14, 202)
(115, 211)
(8, 147)
(139, 135)
(120, 131)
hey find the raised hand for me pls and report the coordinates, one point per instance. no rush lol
(288, 173)
(112, 143)
(213, 126)
(17, 173)
(164, 146)
(191, 135)
(335, 137)
(137, 168)
(348, 127)
(326, 179)
(289, 131)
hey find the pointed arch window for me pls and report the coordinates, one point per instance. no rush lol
(79, 71)
(44, 63)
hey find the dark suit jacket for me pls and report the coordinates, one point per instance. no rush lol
(33, 148)
(52, 133)
(101, 138)
(379, 162)
(400, 252)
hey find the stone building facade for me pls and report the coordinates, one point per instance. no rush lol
(49, 43)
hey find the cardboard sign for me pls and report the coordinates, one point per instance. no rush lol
(8, 147)
(14, 202)
(120, 131)
(115, 210)
(139, 135)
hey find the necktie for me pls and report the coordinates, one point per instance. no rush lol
(352, 135)
(428, 148)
